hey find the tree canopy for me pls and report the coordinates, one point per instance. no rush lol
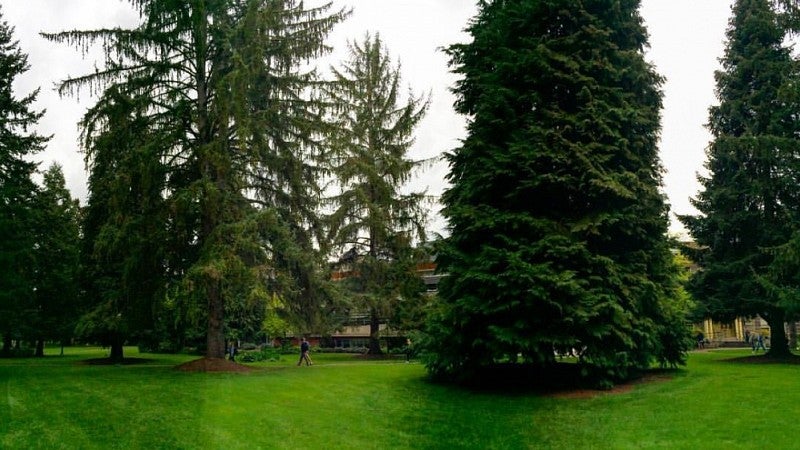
(558, 227)
(375, 223)
(226, 95)
(17, 193)
(57, 261)
(749, 203)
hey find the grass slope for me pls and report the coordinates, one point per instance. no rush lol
(346, 403)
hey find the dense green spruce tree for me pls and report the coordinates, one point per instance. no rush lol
(124, 224)
(557, 225)
(17, 192)
(374, 221)
(228, 90)
(57, 251)
(749, 204)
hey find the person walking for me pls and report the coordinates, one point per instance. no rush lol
(232, 351)
(304, 348)
(760, 343)
(757, 341)
(409, 350)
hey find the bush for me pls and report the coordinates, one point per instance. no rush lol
(265, 354)
(357, 350)
(18, 352)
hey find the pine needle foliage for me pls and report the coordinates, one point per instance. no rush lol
(374, 222)
(749, 205)
(557, 225)
(17, 192)
(57, 231)
(227, 86)
(124, 241)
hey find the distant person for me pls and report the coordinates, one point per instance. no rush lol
(701, 340)
(409, 350)
(304, 348)
(232, 352)
(758, 342)
(761, 343)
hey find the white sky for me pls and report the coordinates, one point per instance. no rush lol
(686, 38)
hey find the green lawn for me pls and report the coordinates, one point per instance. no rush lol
(346, 403)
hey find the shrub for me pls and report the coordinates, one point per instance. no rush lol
(357, 350)
(265, 354)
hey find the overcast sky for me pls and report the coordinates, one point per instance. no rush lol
(686, 38)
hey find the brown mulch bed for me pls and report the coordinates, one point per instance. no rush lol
(617, 389)
(214, 365)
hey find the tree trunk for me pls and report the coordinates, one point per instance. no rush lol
(39, 348)
(215, 337)
(210, 171)
(116, 350)
(64, 342)
(374, 333)
(6, 344)
(779, 345)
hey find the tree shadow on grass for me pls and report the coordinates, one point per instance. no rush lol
(214, 365)
(561, 380)
(765, 359)
(115, 362)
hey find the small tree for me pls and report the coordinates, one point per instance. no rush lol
(374, 221)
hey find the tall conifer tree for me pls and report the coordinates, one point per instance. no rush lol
(124, 225)
(228, 91)
(56, 229)
(374, 221)
(749, 203)
(558, 228)
(17, 191)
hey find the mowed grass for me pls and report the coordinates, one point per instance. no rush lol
(347, 403)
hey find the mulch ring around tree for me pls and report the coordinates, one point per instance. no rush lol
(214, 365)
(623, 388)
(197, 365)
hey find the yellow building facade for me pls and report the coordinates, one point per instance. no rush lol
(739, 329)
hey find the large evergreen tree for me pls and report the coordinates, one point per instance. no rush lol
(374, 221)
(749, 204)
(56, 230)
(228, 90)
(17, 191)
(558, 228)
(124, 224)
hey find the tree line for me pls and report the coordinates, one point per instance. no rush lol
(229, 179)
